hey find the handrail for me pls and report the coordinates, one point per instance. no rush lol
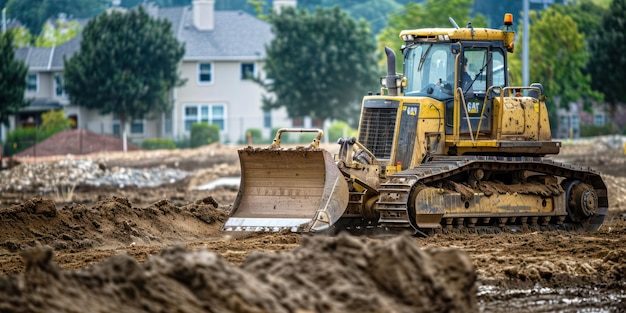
(482, 113)
(469, 124)
(314, 144)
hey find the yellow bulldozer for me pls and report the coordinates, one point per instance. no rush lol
(446, 146)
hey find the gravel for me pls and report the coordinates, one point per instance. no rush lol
(69, 173)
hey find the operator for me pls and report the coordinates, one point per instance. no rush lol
(466, 80)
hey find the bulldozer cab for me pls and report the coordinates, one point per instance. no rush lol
(437, 69)
(481, 77)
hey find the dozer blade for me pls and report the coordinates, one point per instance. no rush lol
(297, 189)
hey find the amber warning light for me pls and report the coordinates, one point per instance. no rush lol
(508, 19)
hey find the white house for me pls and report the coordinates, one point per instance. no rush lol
(223, 49)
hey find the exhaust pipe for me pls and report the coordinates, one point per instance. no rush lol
(391, 72)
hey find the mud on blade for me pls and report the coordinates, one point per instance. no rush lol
(298, 189)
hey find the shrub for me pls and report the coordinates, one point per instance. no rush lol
(593, 130)
(183, 143)
(284, 138)
(340, 129)
(204, 134)
(21, 139)
(307, 138)
(53, 122)
(256, 135)
(158, 143)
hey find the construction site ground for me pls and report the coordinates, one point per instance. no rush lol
(123, 248)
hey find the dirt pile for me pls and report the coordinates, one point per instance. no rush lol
(112, 221)
(341, 274)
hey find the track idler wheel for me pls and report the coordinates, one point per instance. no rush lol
(582, 201)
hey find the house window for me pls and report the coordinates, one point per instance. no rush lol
(32, 82)
(247, 71)
(209, 113)
(59, 87)
(205, 73)
(136, 127)
(598, 119)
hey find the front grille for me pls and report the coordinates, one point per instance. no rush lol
(376, 132)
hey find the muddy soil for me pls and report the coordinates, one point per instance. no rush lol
(160, 249)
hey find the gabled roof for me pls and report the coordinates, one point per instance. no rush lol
(236, 36)
(48, 59)
(37, 59)
(66, 49)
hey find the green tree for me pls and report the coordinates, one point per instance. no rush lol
(12, 79)
(585, 13)
(179, 3)
(431, 13)
(374, 12)
(321, 74)
(31, 13)
(260, 9)
(34, 13)
(607, 48)
(59, 33)
(21, 36)
(558, 57)
(126, 65)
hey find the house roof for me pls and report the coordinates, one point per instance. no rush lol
(36, 58)
(48, 59)
(236, 36)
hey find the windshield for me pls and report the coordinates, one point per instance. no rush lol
(428, 67)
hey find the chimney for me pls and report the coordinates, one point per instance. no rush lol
(204, 14)
(279, 4)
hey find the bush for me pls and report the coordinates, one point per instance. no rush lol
(256, 134)
(340, 129)
(21, 139)
(204, 134)
(53, 122)
(183, 143)
(284, 138)
(307, 138)
(593, 130)
(158, 143)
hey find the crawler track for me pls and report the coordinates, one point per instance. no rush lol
(396, 209)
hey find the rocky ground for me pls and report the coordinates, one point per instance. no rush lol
(131, 233)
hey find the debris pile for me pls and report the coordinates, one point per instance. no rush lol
(341, 274)
(66, 174)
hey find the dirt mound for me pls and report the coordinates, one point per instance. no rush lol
(112, 221)
(342, 274)
(76, 142)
